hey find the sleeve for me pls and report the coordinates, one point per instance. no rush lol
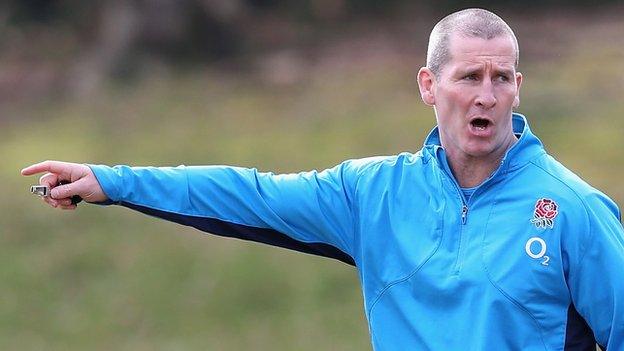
(596, 281)
(310, 212)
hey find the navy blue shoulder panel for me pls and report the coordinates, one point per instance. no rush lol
(261, 235)
(579, 337)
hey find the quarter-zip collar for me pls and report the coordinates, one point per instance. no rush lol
(525, 149)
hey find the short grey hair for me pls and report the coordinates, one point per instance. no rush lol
(475, 23)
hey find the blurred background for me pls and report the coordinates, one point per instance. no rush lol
(278, 85)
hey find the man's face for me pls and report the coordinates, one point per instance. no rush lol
(473, 96)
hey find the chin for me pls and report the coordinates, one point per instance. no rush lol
(479, 151)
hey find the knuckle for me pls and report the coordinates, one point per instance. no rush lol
(66, 190)
(44, 179)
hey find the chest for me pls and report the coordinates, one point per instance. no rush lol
(445, 245)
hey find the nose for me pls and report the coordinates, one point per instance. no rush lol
(486, 98)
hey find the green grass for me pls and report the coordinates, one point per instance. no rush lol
(108, 278)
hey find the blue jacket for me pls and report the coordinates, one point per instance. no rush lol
(532, 261)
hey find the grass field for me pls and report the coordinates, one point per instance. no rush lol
(111, 279)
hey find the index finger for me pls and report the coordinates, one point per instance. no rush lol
(57, 167)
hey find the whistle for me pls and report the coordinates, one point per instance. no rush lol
(44, 190)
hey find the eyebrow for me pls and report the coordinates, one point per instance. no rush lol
(479, 68)
(470, 69)
(506, 71)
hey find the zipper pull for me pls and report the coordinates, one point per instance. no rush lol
(464, 214)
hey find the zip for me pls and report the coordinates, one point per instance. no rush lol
(464, 219)
(464, 208)
(464, 203)
(462, 240)
(464, 214)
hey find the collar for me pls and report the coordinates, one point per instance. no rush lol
(525, 149)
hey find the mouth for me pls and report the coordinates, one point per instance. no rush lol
(481, 127)
(480, 124)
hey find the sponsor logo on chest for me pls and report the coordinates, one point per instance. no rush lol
(546, 210)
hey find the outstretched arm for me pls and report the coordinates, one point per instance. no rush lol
(309, 211)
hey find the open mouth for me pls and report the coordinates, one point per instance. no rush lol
(480, 123)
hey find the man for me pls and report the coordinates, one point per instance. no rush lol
(481, 240)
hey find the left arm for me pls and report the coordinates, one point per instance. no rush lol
(596, 278)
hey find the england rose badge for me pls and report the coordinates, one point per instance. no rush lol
(544, 214)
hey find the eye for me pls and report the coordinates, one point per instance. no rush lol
(471, 76)
(503, 78)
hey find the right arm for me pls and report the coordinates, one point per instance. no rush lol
(310, 212)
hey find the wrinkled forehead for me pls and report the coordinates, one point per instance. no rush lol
(499, 50)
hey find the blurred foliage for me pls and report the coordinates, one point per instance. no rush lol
(77, 45)
(109, 278)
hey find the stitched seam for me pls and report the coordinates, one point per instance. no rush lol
(565, 328)
(530, 159)
(586, 243)
(357, 233)
(193, 212)
(188, 191)
(401, 280)
(351, 204)
(589, 238)
(232, 222)
(487, 273)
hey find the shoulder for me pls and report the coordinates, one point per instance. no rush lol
(573, 190)
(551, 168)
(585, 214)
(375, 164)
(381, 172)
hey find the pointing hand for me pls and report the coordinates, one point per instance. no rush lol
(77, 179)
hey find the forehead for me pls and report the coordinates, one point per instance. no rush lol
(465, 50)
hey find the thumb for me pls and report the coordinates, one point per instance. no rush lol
(68, 190)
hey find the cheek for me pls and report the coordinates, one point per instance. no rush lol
(451, 104)
(508, 94)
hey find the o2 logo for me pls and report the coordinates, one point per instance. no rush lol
(536, 248)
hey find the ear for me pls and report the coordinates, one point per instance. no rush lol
(426, 84)
(516, 102)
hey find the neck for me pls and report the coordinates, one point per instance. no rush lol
(470, 171)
